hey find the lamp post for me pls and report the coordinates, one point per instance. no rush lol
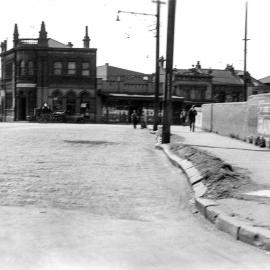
(167, 107)
(157, 79)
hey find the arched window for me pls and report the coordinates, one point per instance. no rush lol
(71, 103)
(84, 103)
(57, 68)
(30, 68)
(57, 101)
(22, 68)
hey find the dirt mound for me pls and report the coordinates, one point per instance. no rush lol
(220, 178)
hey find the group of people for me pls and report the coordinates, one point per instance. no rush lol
(135, 119)
(190, 115)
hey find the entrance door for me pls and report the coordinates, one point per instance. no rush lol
(22, 108)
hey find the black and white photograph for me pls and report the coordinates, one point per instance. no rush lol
(135, 135)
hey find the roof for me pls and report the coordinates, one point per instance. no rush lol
(265, 79)
(52, 43)
(220, 76)
(110, 72)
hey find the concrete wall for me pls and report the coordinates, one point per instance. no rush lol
(239, 119)
(228, 119)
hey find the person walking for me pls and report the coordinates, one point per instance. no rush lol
(192, 118)
(134, 119)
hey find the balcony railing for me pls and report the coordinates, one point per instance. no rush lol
(28, 41)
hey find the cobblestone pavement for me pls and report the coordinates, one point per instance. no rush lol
(102, 197)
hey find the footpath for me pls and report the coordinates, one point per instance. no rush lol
(245, 210)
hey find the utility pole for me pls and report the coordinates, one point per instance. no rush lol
(167, 106)
(245, 56)
(156, 100)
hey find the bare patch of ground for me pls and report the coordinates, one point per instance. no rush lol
(221, 179)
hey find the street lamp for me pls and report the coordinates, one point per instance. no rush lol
(157, 15)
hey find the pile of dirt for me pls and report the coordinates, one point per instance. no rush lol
(220, 178)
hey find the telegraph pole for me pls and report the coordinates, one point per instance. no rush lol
(156, 95)
(245, 55)
(167, 106)
(156, 99)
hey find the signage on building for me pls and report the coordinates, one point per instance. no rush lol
(26, 85)
(264, 119)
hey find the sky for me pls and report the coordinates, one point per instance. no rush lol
(209, 31)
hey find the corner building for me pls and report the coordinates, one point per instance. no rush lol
(43, 70)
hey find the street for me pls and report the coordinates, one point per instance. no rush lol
(102, 197)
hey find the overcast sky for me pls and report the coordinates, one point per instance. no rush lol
(210, 31)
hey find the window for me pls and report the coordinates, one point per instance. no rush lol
(8, 100)
(57, 101)
(57, 68)
(30, 68)
(85, 69)
(71, 68)
(71, 103)
(22, 68)
(9, 71)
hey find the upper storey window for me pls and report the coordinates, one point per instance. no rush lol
(22, 68)
(30, 68)
(57, 68)
(85, 69)
(71, 68)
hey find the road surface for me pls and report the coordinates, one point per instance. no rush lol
(102, 197)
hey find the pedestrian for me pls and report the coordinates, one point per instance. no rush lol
(192, 118)
(134, 119)
(183, 115)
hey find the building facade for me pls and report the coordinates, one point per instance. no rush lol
(43, 70)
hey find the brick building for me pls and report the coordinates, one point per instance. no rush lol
(43, 70)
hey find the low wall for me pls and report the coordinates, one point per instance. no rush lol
(239, 119)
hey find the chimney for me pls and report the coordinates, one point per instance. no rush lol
(15, 36)
(70, 45)
(86, 40)
(198, 65)
(4, 46)
(43, 40)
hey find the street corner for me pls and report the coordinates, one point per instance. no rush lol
(256, 236)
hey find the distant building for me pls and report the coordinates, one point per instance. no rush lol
(121, 91)
(199, 85)
(43, 70)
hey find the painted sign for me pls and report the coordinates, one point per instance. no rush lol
(263, 127)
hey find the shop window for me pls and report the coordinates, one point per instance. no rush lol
(84, 103)
(57, 101)
(71, 103)
(85, 69)
(71, 68)
(57, 68)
